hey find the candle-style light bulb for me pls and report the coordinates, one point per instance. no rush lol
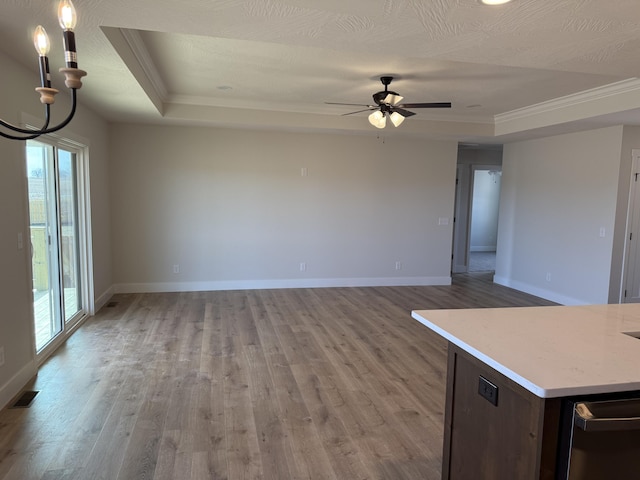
(67, 18)
(41, 41)
(67, 15)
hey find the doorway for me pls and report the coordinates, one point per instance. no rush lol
(483, 230)
(57, 227)
(478, 179)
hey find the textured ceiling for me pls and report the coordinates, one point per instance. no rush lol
(517, 70)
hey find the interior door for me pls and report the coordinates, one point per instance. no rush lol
(631, 283)
(459, 257)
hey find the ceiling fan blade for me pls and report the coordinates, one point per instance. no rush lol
(351, 104)
(360, 111)
(426, 105)
(402, 111)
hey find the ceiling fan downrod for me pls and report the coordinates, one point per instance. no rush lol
(379, 97)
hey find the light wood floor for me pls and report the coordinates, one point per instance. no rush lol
(335, 383)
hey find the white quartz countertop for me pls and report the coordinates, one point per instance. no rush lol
(550, 351)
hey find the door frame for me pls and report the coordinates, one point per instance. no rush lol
(80, 147)
(465, 175)
(632, 226)
(460, 242)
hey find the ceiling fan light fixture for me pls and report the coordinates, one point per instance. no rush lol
(393, 99)
(396, 118)
(377, 119)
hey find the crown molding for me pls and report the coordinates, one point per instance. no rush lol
(139, 50)
(629, 85)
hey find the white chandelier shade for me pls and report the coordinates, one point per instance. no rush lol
(379, 118)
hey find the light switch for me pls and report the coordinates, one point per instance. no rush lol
(443, 221)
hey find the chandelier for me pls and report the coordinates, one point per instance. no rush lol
(73, 76)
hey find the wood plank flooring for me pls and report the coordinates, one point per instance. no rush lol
(334, 383)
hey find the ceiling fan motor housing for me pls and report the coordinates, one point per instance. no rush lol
(379, 97)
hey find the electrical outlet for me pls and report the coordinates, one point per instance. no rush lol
(488, 390)
(176, 269)
(398, 265)
(303, 267)
(548, 278)
(1, 356)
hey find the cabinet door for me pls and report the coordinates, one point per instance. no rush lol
(487, 441)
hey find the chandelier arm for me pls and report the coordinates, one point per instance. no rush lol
(47, 114)
(26, 130)
(66, 121)
(15, 137)
(31, 134)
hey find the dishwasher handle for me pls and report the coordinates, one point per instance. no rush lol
(613, 415)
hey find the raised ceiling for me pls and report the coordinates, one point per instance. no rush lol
(527, 68)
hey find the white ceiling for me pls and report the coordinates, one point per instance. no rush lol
(528, 68)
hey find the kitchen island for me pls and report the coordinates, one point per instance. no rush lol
(508, 372)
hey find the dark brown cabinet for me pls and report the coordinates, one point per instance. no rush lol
(515, 438)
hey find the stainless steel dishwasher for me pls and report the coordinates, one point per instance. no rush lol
(600, 439)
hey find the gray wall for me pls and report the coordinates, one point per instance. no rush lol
(484, 216)
(233, 210)
(557, 193)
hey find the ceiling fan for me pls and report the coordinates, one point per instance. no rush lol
(387, 104)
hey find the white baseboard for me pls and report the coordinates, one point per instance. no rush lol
(102, 300)
(16, 383)
(538, 292)
(284, 283)
(482, 248)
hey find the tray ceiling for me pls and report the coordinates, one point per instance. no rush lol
(510, 72)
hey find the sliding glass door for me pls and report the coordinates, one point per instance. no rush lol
(52, 175)
(69, 234)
